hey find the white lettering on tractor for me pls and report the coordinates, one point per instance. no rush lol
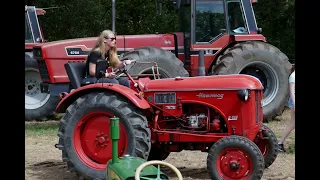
(74, 52)
(232, 118)
(170, 107)
(218, 96)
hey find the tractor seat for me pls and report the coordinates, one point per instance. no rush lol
(75, 72)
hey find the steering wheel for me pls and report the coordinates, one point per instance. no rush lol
(148, 163)
(121, 71)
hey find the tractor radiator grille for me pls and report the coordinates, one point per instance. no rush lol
(43, 70)
(258, 106)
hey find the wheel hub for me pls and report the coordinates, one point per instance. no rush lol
(32, 88)
(33, 97)
(102, 140)
(92, 139)
(234, 164)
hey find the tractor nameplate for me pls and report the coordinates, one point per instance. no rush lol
(165, 98)
(202, 95)
(232, 118)
(77, 50)
(170, 107)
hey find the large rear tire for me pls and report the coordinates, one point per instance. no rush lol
(169, 65)
(84, 134)
(265, 62)
(38, 106)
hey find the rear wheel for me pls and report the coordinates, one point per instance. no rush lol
(84, 135)
(265, 62)
(38, 105)
(235, 157)
(169, 65)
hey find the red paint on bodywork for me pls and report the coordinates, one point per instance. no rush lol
(55, 56)
(189, 91)
(221, 82)
(57, 49)
(29, 45)
(127, 92)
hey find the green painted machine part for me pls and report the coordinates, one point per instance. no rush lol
(124, 168)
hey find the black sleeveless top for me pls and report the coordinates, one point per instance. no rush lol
(93, 57)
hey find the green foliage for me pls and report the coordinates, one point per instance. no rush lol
(87, 18)
(277, 20)
(41, 128)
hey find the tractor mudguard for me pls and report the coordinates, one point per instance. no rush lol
(132, 95)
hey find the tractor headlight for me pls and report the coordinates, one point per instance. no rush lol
(243, 94)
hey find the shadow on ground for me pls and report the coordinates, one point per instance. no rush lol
(56, 170)
(190, 173)
(50, 169)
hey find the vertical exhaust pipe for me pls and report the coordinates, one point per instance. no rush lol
(201, 68)
(114, 16)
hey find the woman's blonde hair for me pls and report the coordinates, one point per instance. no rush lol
(101, 47)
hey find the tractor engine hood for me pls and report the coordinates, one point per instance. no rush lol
(77, 49)
(219, 82)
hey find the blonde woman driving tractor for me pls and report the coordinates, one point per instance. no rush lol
(105, 49)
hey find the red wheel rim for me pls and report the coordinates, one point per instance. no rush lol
(92, 141)
(234, 163)
(263, 145)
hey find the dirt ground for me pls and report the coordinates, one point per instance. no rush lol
(43, 160)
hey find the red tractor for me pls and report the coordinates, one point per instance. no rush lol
(225, 29)
(38, 105)
(221, 115)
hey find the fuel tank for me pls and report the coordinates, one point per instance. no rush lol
(219, 82)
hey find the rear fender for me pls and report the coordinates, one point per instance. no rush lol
(132, 95)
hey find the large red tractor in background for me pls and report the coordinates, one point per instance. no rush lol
(38, 105)
(227, 32)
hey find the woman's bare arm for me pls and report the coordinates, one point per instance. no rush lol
(92, 69)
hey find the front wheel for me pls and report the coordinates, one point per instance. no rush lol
(235, 158)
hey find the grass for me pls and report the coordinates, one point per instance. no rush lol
(48, 128)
